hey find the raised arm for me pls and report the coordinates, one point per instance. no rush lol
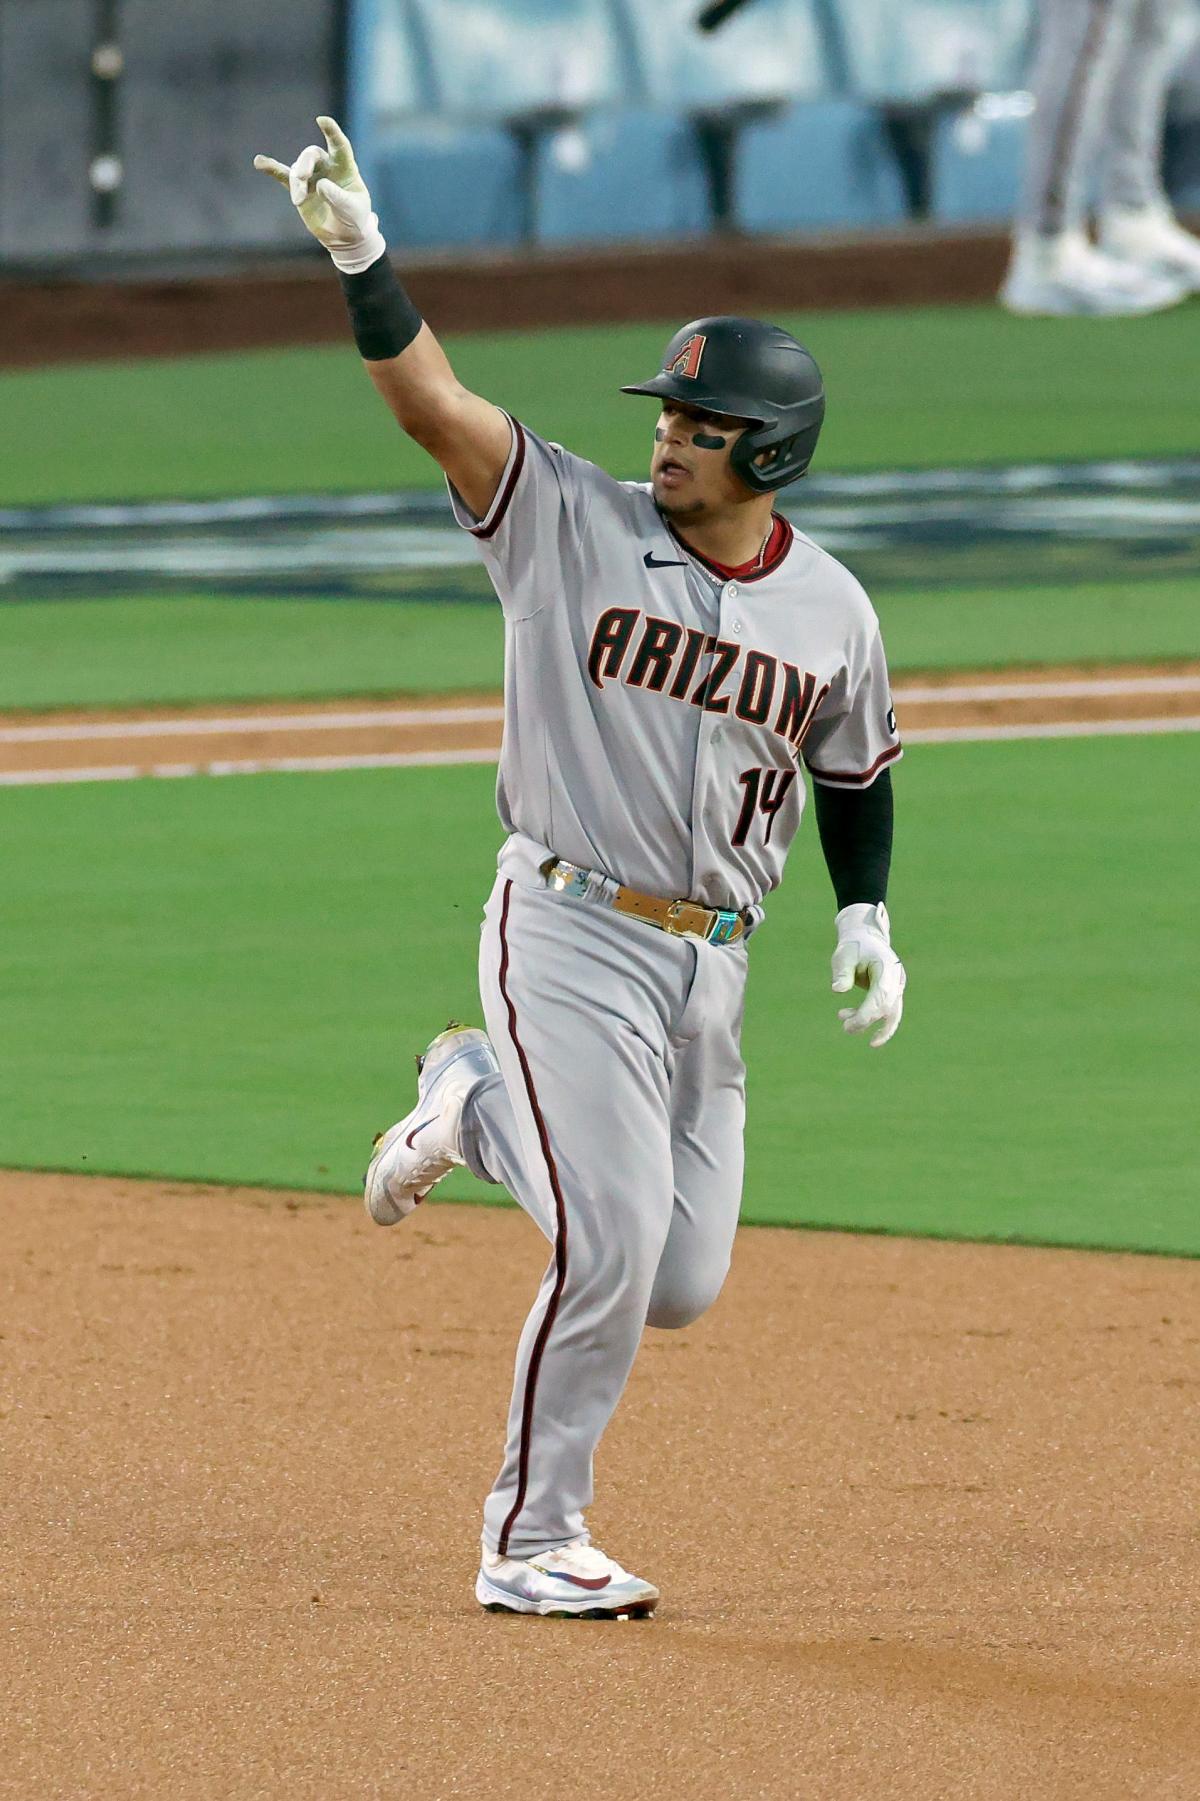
(467, 435)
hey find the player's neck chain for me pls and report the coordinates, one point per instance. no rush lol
(771, 552)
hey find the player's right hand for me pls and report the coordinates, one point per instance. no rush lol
(332, 199)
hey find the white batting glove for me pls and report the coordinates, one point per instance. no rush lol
(332, 199)
(864, 956)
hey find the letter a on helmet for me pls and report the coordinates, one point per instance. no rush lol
(686, 361)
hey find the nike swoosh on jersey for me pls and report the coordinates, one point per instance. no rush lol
(653, 562)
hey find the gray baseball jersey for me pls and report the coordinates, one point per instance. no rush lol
(656, 713)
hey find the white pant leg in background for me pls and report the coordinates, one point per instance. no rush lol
(592, 1016)
(1081, 45)
(1161, 33)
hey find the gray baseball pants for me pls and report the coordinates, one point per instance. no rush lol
(1099, 80)
(617, 1123)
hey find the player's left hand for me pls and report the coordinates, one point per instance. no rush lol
(864, 956)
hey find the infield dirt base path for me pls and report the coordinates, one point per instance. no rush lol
(122, 743)
(923, 1516)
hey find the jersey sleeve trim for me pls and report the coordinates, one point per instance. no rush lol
(489, 525)
(850, 778)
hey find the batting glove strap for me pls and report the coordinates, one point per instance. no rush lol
(864, 958)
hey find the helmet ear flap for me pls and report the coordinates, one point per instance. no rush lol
(766, 467)
(785, 459)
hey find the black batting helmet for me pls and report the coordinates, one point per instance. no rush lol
(751, 371)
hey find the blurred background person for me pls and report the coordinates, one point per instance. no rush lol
(1100, 80)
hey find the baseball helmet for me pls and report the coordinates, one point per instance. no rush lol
(751, 371)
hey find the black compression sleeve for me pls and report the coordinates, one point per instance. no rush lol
(384, 319)
(855, 827)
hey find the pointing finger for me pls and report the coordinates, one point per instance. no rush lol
(269, 166)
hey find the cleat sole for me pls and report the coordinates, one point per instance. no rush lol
(635, 1610)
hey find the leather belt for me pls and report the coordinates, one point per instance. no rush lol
(681, 918)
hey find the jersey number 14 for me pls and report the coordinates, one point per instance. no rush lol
(765, 792)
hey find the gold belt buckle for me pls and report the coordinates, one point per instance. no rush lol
(676, 911)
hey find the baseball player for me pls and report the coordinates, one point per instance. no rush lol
(674, 652)
(1100, 81)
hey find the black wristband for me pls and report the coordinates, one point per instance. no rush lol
(383, 318)
(855, 826)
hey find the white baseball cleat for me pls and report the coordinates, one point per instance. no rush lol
(424, 1146)
(577, 1580)
(1153, 238)
(1066, 276)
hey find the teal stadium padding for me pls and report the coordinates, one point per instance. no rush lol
(772, 52)
(913, 50)
(532, 67)
(389, 81)
(435, 181)
(818, 166)
(977, 158)
(519, 58)
(759, 63)
(628, 175)
(493, 122)
(439, 184)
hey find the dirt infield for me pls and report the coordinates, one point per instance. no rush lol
(922, 1515)
(296, 302)
(275, 735)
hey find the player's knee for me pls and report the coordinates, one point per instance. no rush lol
(611, 1274)
(683, 1298)
(677, 1311)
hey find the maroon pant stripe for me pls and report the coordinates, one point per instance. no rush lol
(560, 1240)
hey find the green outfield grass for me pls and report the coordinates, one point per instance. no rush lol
(923, 386)
(187, 649)
(226, 980)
